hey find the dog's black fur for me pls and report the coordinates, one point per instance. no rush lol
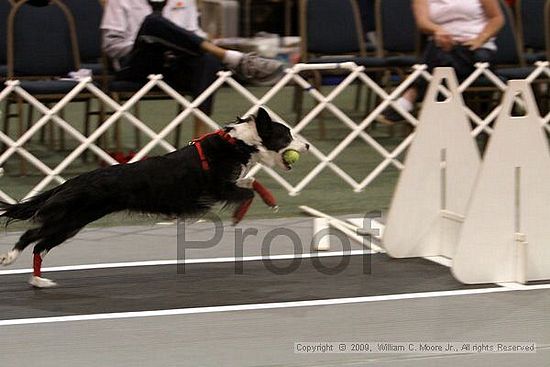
(174, 184)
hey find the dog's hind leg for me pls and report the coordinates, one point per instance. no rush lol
(241, 211)
(30, 236)
(39, 252)
(36, 279)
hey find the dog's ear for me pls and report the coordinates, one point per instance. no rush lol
(264, 124)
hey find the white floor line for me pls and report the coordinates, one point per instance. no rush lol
(188, 261)
(265, 306)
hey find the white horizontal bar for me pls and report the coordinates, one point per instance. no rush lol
(347, 228)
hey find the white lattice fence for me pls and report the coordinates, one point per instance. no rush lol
(326, 161)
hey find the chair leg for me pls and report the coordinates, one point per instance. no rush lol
(540, 95)
(317, 81)
(546, 91)
(42, 138)
(118, 144)
(22, 162)
(358, 92)
(7, 116)
(177, 131)
(322, 127)
(137, 132)
(118, 100)
(299, 94)
(100, 120)
(87, 107)
(298, 104)
(51, 131)
(30, 117)
(61, 132)
(371, 99)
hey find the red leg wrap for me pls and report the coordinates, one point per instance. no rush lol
(264, 193)
(240, 212)
(37, 265)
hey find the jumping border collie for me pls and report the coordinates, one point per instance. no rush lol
(184, 183)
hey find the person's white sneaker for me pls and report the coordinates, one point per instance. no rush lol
(258, 70)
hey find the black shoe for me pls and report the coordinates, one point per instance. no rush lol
(390, 116)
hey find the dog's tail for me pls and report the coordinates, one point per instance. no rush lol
(24, 210)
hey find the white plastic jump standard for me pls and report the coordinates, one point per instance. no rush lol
(440, 170)
(506, 236)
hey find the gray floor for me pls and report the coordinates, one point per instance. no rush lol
(250, 337)
(203, 285)
(159, 242)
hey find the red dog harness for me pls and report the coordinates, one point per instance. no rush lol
(264, 193)
(197, 143)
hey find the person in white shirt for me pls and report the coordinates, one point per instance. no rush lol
(461, 33)
(140, 41)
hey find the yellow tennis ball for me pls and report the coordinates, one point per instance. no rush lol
(291, 156)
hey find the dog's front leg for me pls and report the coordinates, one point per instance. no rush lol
(264, 193)
(241, 195)
(245, 183)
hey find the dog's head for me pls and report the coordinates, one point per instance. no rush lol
(271, 139)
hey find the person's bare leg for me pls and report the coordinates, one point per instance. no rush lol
(249, 67)
(214, 50)
(231, 58)
(410, 95)
(406, 102)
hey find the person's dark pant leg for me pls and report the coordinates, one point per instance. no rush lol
(157, 26)
(193, 74)
(463, 60)
(460, 58)
(150, 57)
(185, 67)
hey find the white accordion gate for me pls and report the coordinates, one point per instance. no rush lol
(356, 73)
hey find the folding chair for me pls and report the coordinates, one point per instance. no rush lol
(331, 31)
(547, 28)
(42, 47)
(509, 61)
(87, 16)
(5, 7)
(530, 20)
(122, 90)
(368, 20)
(397, 37)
